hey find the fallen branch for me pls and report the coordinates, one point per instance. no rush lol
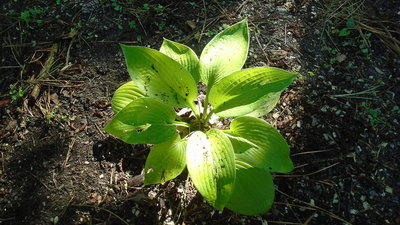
(45, 72)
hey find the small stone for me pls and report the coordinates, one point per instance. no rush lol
(366, 206)
(152, 194)
(276, 115)
(353, 211)
(56, 220)
(335, 199)
(314, 122)
(389, 189)
(341, 57)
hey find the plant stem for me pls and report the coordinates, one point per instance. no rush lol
(205, 107)
(181, 124)
(209, 116)
(178, 117)
(194, 109)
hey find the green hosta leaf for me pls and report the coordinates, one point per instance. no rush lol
(124, 95)
(240, 93)
(159, 76)
(183, 55)
(260, 144)
(224, 54)
(254, 190)
(211, 165)
(165, 161)
(268, 103)
(142, 121)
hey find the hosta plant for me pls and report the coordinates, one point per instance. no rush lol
(230, 167)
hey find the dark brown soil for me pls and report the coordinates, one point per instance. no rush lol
(341, 116)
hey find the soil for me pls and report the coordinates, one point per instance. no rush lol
(341, 115)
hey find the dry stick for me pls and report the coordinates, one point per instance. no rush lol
(220, 7)
(308, 174)
(312, 152)
(9, 67)
(284, 222)
(68, 55)
(204, 22)
(111, 213)
(390, 41)
(285, 34)
(9, 45)
(13, 53)
(262, 49)
(55, 83)
(39, 181)
(291, 209)
(66, 208)
(99, 130)
(240, 6)
(45, 72)
(311, 207)
(3, 162)
(309, 219)
(7, 219)
(138, 18)
(70, 146)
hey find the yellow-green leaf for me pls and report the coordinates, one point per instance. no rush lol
(268, 103)
(224, 54)
(241, 92)
(165, 161)
(254, 190)
(143, 121)
(159, 76)
(260, 145)
(184, 55)
(211, 165)
(124, 95)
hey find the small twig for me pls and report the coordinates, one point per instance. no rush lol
(309, 219)
(354, 95)
(308, 174)
(220, 7)
(68, 54)
(106, 210)
(241, 5)
(283, 222)
(55, 83)
(3, 162)
(70, 146)
(45, 72)
(39, 181)
(285, 34)
(13, 52)
(66, 208)
(261, 47)
(100, 131)
(291, 209)
(309, 206)
(312, 152)
(204, 22)
(7, 219)
(9, 67)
